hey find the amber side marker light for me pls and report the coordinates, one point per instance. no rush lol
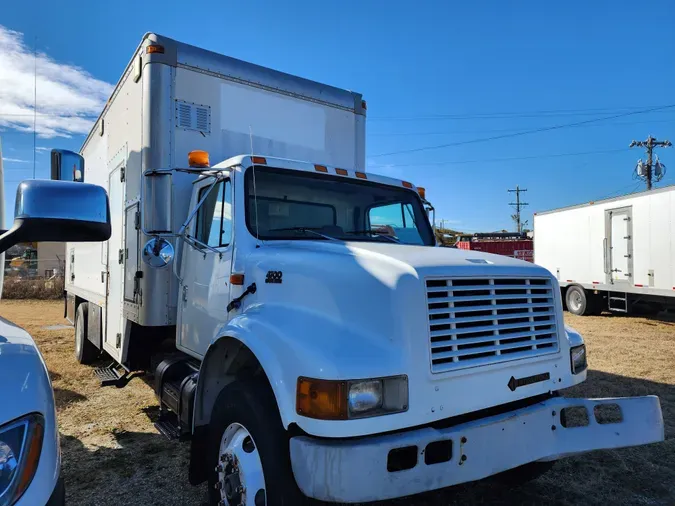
(321, 168)
(422, 192)
(361, 175)
(261, 160)
(406, 184)
(237, 279)
(154, 48)
(32, 458)
(341, 172)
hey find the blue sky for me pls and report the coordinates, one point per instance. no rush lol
(433, 73)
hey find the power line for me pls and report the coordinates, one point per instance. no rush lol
(507, 159)
(514, 114)
(35, 106)
(525, 132)
(518, 205)
(631, 185)
(486, 130)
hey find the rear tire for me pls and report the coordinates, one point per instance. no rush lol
(250, 407)
(577, 302)
(85, 351)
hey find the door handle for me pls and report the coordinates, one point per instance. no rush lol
(604, 255)
(185, 292)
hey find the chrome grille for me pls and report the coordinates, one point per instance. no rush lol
(474, 322)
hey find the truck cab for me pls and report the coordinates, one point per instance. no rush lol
(302, 327)
(321, 291)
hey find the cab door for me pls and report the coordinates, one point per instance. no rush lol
(206, 263)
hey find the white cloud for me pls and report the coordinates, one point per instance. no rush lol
(68, 98)
(14, 160)
(42, 149)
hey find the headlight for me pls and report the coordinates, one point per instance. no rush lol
(20, 448)
(578, 359)
(342, 400)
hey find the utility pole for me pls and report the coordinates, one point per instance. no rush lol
(518, 205)
(649, 144)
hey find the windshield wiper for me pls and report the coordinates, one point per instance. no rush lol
(375, 234)
(305, 230)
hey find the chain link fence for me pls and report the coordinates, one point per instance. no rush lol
(30, 278)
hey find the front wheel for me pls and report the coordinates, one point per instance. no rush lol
(249, 461)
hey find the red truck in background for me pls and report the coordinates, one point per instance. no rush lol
(500, 243)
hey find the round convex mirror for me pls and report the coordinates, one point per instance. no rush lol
(158, 252)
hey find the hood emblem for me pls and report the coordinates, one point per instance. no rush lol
(274, 277)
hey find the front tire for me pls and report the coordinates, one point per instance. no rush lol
(248, 448)
(85, 351)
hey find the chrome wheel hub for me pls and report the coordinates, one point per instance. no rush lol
(241, 481)
(575, 301)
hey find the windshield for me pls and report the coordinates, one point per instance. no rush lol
(301, 205)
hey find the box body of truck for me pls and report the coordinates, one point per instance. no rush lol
(307, 334)
(619, 247)
(165, 105)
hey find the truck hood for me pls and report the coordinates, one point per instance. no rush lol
(24, 380)
(425, 260)
(374, 291)
(351, 310)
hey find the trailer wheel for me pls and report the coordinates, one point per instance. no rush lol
(249, 461)
(577, 302)
(85, 351)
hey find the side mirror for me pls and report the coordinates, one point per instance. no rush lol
(58, 211)
(67, 166)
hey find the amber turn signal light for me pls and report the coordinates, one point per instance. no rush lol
(322, 399)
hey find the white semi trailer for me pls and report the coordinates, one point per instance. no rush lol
(303, 329)
(615, 254)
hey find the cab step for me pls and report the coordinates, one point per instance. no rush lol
(168, 426)
(113, 375)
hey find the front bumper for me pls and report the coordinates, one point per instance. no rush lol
(355, 470)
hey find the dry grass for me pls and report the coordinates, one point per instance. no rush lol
(16, 287)
(112, 454)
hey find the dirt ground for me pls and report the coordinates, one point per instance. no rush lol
(113, 455)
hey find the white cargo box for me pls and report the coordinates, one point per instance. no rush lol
(622, 244)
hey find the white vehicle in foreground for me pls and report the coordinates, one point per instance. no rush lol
(302, 326)
(30, 457)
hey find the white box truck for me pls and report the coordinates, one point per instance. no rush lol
(615, 254)
(302, 327)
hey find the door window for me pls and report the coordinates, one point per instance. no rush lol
(395, 220)
(214, 218)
